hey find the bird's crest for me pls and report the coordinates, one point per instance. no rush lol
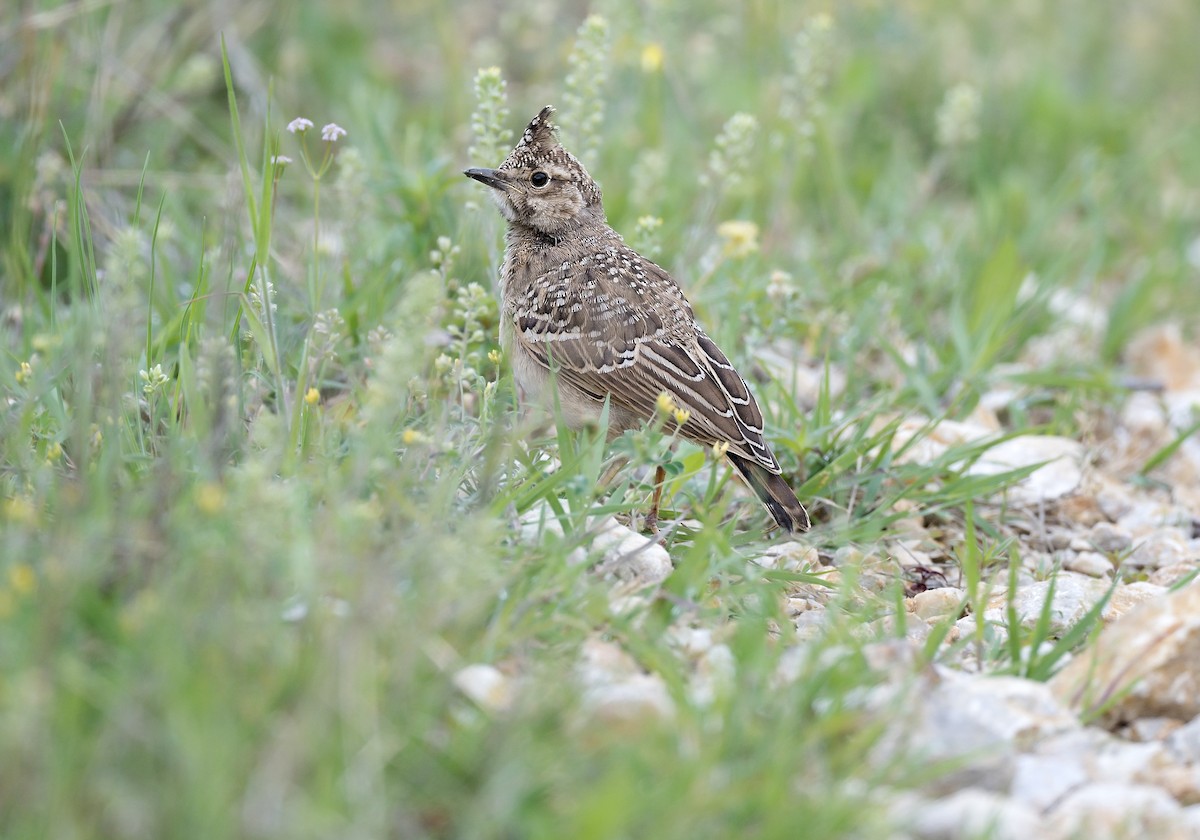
(539, 146)
(537, 143)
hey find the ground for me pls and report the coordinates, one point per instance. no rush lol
(280, 556)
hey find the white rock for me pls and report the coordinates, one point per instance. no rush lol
(1074, 595)
(790, 556)
(994, 634)
(793, 663)
(811, 625)
(1182, 783)
(1144, 415)
(604, 662)
(1164, 547)
(1114, 500)
(1110, 538)
(1184, 742)
(486, 686)
(1110, 809)
(1146, 664)
(535, 523)
(912, 553)
(1059, 539)
(1060, 475)
(916, 629)
(1119, 761)
(1129, 595)
(1089, 563)
(1151, 729)
(631, 702)
(892, 659)
(691, 641)
(933, 604)
(1181, 405)
(616, 692)
(1191, 818)
(800, 375)
(795, 606)
(1146, 517)
(933, 442)
(1168, 576)
(1125, 761)
(1107, 758)
(848, 555)
(627, 603)
(1015, 709)
(909, 528)
(629, 556)
(1041, 780)
(972, 813)
(1162, 352)
(714, 675)
(539, 520)
(980, 723)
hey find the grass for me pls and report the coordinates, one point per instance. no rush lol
(260, 462)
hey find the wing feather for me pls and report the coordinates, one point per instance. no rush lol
(620, 327)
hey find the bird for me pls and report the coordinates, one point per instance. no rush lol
(586, 322)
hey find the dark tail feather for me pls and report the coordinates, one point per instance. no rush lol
(775, 493)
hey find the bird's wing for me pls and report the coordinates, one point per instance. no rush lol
(617, 325)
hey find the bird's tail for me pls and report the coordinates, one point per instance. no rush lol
(775, 493)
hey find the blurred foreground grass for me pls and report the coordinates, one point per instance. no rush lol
(249, 533)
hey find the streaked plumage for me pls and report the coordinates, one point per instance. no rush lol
(610, 322)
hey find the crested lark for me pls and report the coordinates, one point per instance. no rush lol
(611, 324)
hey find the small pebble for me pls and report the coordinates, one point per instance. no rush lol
(486, 686)
(790, 556)
(1164, 547)
(1089, 563)
(1172, 574)
(1110, 538)
(934, 604)
(1059, 540)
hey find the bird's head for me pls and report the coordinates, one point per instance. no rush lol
(541, 185)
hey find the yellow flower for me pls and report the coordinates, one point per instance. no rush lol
(54, 452)
(652, 57)
(210, 498)
(494, 356)
(311, 396)
(682, 415)
(46, 341)
(21, 579)
(720, 448)
(24, 373)
(411, 436)
(666, 403)
(21, 510)
(741, 237)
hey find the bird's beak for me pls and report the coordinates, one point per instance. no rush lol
(487, 176)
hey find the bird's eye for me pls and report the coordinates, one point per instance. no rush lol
(539, 179)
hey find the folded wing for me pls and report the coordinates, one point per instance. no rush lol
(617, 325)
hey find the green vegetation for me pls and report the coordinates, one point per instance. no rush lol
(260, 463)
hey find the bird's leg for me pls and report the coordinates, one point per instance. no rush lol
(660, 475)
